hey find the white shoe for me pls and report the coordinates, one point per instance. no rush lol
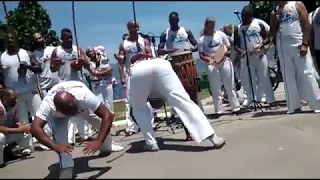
(116, 148)
(35, 140)
(245, 102)
(151, 147)
(44, 148)
(316, 111)
(26, 152)
(263, 100)
(217, 141)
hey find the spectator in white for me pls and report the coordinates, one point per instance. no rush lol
(102, 85)
(19, 68)
(64, 60)
(255, 32)
(295, 58)
(47, 78)
(209, 42)
(65, 100)
(11, 131)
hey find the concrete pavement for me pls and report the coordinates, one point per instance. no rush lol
(272, 146)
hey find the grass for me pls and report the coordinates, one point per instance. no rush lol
(119, 106)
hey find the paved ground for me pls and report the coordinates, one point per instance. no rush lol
(272, 146)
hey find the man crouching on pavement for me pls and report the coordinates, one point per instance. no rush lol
(10, 132)
(63, 101)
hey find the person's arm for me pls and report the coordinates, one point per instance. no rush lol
(237, 41)
(8, 130)
(264, 33)
(201, 51)
(226, 42)
(304, 22)
(162, 43)
(121, 73)
(121, 54)
(35, 66)
(192, 41)
(39, 122)
(54, 65)
(148, 50)
(100, 109)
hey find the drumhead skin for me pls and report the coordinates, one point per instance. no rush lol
(181, 53)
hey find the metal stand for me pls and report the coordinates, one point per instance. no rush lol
(254, 102)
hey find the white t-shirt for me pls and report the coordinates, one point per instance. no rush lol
(209, 44)
(85, 99)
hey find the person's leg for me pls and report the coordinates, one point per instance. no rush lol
(140, 87)
(60, 136)
(264, 78)
(310, 90)
(132, 127)
(286, 59)
(22, 114)
(189, 112)
(227, 74)
(215, 87)
(3, 143)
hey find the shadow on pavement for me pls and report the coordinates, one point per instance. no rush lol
(137, 147)
(81, 166)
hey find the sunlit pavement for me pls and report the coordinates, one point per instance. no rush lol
(272, 146)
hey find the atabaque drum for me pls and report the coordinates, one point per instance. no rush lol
(185, 67)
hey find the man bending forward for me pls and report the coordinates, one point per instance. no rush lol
(63, 101)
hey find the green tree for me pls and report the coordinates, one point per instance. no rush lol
(262, 9)
(28, 18)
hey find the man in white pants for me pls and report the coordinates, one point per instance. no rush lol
(47, 79)
(255, 32)
(156, 77)
(294, 54)
(19, 69)
(72, 99)
(11, 131)
(61, 62)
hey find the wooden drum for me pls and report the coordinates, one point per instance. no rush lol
(185, 67)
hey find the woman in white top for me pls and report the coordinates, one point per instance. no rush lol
(101, 82)
(209, 43)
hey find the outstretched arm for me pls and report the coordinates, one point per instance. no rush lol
(193, 41)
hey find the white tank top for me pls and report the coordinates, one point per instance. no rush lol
(177, 39)
(65, 72)
(130, 49)
(252, 33)
(289, 27)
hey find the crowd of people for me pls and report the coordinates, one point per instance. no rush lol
(48, 83)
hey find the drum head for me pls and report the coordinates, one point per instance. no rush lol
(219, 54)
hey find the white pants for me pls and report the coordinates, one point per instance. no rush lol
(10, 138)
(259, 71)
(60, 134)
(222, 71)
(27, 102)
(157, 75)
(294, 67)
(131, 125)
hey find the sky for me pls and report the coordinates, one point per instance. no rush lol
(104, 23)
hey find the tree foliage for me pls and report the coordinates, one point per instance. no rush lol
(262, 9)
(28, 18)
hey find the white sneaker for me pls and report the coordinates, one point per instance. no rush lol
(116, 148)
(316, 111)
(44, 148)
(263, 100)
(245, 102)
(151, 147)
(26, 152)
(217, 141)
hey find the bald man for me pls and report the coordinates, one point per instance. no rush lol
(66, 100)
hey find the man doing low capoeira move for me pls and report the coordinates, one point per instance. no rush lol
(156, 77)
(66, 100)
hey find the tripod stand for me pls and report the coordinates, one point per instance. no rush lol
(254, 102)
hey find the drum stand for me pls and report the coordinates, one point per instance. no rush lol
(254, 102)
